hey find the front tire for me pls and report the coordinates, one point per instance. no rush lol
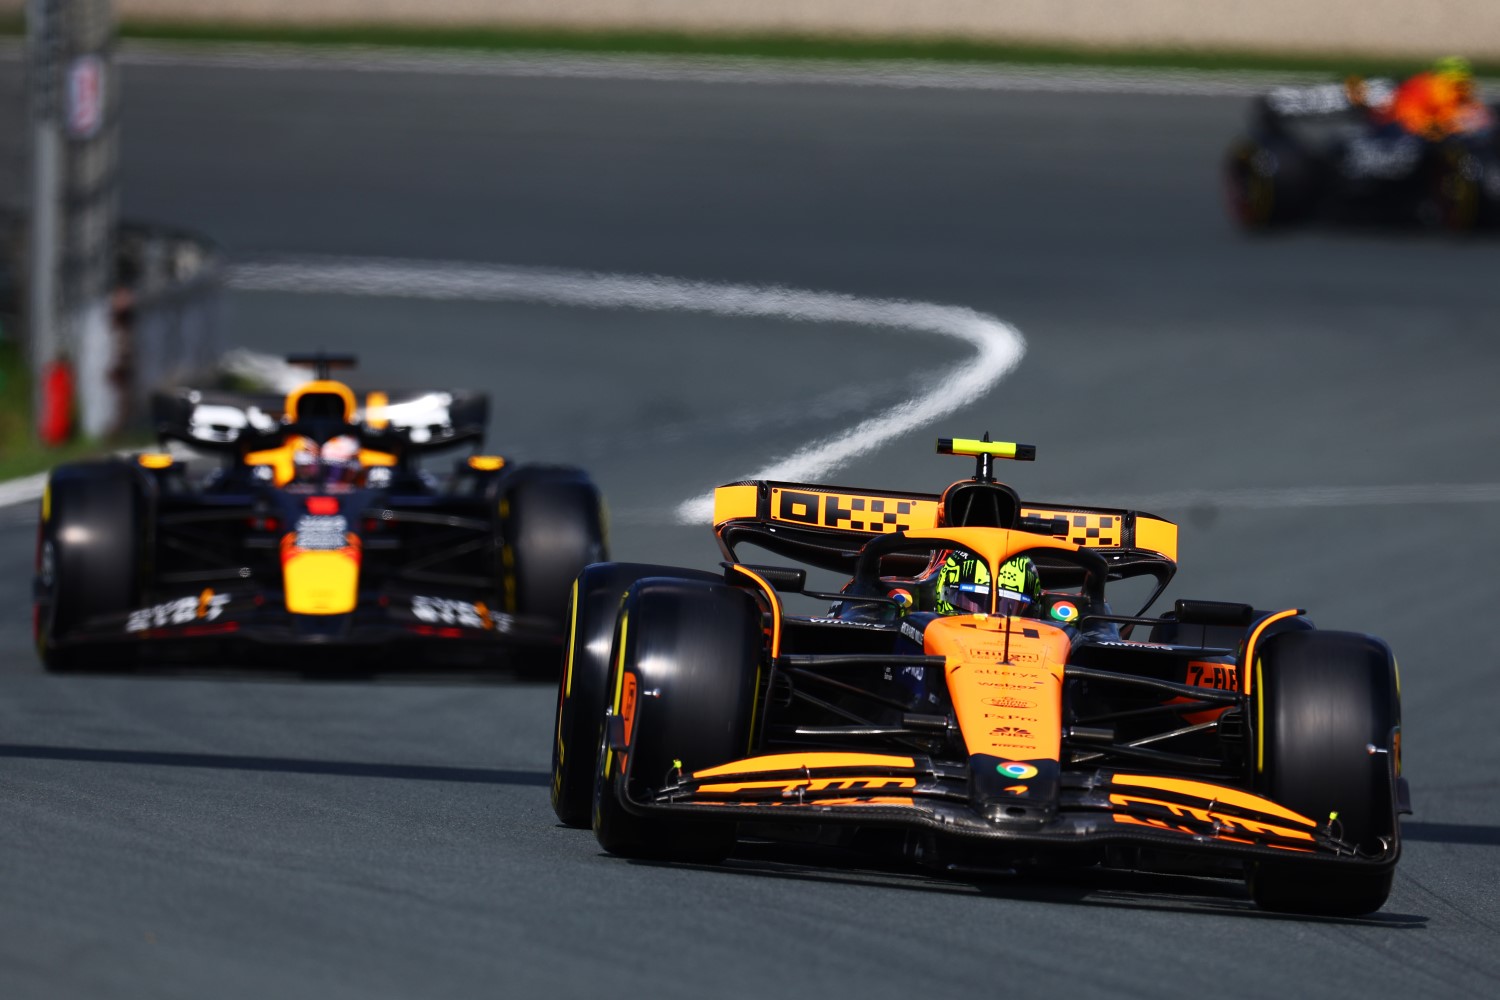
(685, 681)
(89, 548)
(1325, 698)
(582, 690)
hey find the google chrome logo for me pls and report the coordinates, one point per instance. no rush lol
(1064, 611)
(1015, 769)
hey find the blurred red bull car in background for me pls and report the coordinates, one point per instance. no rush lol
(1422, 151)
(318, 529)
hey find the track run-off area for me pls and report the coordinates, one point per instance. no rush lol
(701, 273)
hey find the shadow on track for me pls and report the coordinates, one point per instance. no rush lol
(1096, 887)
(1451, 833)
(279, 765)
(328, 671)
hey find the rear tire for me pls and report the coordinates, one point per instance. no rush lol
(691, 656)
(582, 690)
(555, 527)
(1268, 184)
(88, 555)
(1324, 698)
(1456, 178)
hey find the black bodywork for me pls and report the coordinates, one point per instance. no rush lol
(449, 564)
(1310, 154)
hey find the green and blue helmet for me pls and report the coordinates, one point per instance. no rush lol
(964, 586)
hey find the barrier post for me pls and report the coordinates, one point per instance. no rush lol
(74, 99)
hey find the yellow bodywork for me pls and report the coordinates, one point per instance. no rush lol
(322, 582)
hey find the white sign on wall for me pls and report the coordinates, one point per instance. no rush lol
(85, 97)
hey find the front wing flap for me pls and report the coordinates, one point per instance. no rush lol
(1094, 806)
(256, 615)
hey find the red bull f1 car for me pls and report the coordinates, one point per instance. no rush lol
(1326, 153)
(998, 735)
(318, 529)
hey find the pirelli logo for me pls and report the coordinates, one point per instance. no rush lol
(1088, 530)
(851, 511)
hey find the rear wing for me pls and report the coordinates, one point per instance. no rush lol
(236, 422)
(826, 526)
(1327, 99)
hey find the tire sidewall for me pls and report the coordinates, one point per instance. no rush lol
(584, 686)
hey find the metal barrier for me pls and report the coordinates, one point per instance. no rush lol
(166, 309)
(164, 312)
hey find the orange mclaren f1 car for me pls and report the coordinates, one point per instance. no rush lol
(314, 526)
(1009, 732)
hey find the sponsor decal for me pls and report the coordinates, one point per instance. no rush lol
(792, 789)
(911, 632)
(1015, 769)
(902, 598)
(1133, 645)
(1223, 676)
(210, 422)
(86, 97)
(445, 611)
(1016, 655)
(1064, 611)
(1011, 732)
(1090, 530)
(204, 607)
(841, 621)
(1321, 99)
(315, 532)
(1006, 701)
(1380, 158)
(851, 512)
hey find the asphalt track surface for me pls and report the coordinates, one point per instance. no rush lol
(251, 835)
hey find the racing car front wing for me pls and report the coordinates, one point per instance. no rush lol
(1093, 806)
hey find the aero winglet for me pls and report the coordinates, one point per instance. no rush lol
(985, 452)
(995, 449)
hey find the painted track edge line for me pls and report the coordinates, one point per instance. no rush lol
(999, 346)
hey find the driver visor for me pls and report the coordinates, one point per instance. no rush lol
(1010, 602)
(969, 597)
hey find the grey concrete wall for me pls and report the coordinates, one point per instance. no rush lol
(1417, 27)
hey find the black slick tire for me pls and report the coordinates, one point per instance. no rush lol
(1269, 184)
(554, 528)
(582, 690)
(89, 550)
(686, 675)
(1325, 698)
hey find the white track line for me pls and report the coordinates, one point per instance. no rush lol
(906, 74)
(901, 74)
(22, 490)
(998, 346)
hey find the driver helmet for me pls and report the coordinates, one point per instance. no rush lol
(1018, 587)
(304, 460)
(1456, 72)
(341, 459)
(964, 585)
(1455, 68)
(335, 461)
